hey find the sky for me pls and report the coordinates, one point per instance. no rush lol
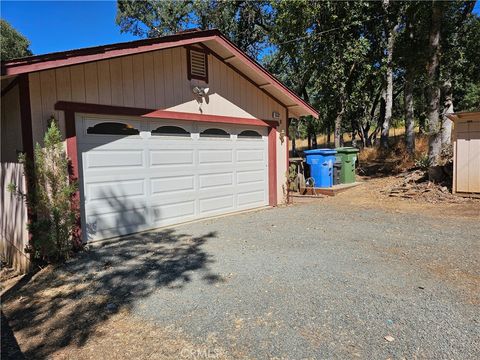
(64, 25)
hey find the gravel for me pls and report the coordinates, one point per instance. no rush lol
(318, 280)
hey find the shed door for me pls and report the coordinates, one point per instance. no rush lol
(143, 174)
(468, 157)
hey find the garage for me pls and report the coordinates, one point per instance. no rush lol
(157, 131)
(139, 174)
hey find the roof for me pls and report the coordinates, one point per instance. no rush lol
(465, 115)
(212, 40)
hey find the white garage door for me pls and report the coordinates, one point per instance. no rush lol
(140, 174)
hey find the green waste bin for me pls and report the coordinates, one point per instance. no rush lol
(348, 157)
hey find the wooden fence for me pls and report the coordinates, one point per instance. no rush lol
(13, 218)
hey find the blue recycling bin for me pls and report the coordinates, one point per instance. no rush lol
(321, 166)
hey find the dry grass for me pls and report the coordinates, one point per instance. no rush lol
(395, 159)
(302, 144)
(396, 156)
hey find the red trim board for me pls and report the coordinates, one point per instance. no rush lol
(156, 114)
(272, 166)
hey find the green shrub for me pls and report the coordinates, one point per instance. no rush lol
(422, 162)
(50, 199)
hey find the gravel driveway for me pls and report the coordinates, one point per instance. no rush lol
(321, 281)
(325, 279)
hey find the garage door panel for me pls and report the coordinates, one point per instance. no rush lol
(171, 157)
(207, 181)
(216, 191)
(216, 204)
(210, 156)
(113, 159)
(171, 184)
(253, 155)
(251, 176)
(116, 189)
(251, 197)
(101, 142)
(175, 210)
(114, 204)
(120, 222)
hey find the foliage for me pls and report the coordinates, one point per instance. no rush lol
(335, 54)
(13, 44)
(49, 199)
(422, 162)
(244, 22)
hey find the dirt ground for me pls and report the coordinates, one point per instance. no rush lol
(374, 192)
(98, 327)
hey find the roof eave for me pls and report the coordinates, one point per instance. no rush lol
(66, 58)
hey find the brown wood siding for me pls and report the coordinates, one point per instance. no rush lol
(10, 127)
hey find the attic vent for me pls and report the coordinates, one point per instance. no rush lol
(197, 65)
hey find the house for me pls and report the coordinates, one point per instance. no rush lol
(466, 153)
(159, 131)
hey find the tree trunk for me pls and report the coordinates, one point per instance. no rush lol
(294, 147)
(389, 80)
(447, 123)
(433, 90)
(309, 141)
(338, 138)
(409, 113)
(329, 138)
(314, 140)
(338, 129)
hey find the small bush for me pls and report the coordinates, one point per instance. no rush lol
(422, 162)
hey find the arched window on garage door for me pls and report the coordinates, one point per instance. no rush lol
(113, 128)
(170, 131)
(249, 134)
(215, 132)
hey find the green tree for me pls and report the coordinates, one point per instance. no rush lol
(351, 60)
(13, 44)
(51, 199)
(244, 22)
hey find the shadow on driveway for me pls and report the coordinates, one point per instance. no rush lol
(61, 307)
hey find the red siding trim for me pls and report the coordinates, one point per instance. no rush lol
(71, 139)
(156, 114)
(287, 139)
(272, 166)
(80, 56)
(72, 153)
(177, 115)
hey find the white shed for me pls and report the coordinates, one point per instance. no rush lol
(466, 153)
